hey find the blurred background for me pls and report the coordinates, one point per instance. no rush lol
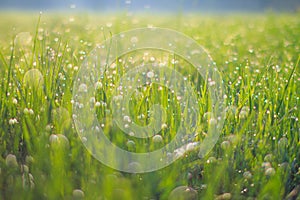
(154, 5)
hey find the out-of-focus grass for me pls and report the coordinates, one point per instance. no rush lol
(257, 155)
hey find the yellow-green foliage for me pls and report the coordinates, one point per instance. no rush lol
(42, 157)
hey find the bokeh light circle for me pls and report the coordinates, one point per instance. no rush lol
(95, 66)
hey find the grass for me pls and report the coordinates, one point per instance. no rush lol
(256, 157)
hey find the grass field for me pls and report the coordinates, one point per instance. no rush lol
(256, 157)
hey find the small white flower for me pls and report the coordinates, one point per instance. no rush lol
(126, 118)
(69, 66)
(98, 85)
(15, 101)
(150, 74)
(152, 59)
(48, 127)
(12, 121)
(191, 146)
(25, 111)
(31, 111)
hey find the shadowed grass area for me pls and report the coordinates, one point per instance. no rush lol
(257, 155)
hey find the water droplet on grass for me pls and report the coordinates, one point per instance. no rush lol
(33, 79)
(134, 167)
(11, 161)
(183, 193)
(59, 139)
(211, 160)
(268, 158)
(270, 171)
(157, 139)
(29, 160)
(78, 194)
(225, 144)
(130, 144)
(247, 175)
(283, 142)
(224, 196)
(23, 39)
(134, 39)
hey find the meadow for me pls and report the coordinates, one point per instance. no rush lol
(256, 157)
